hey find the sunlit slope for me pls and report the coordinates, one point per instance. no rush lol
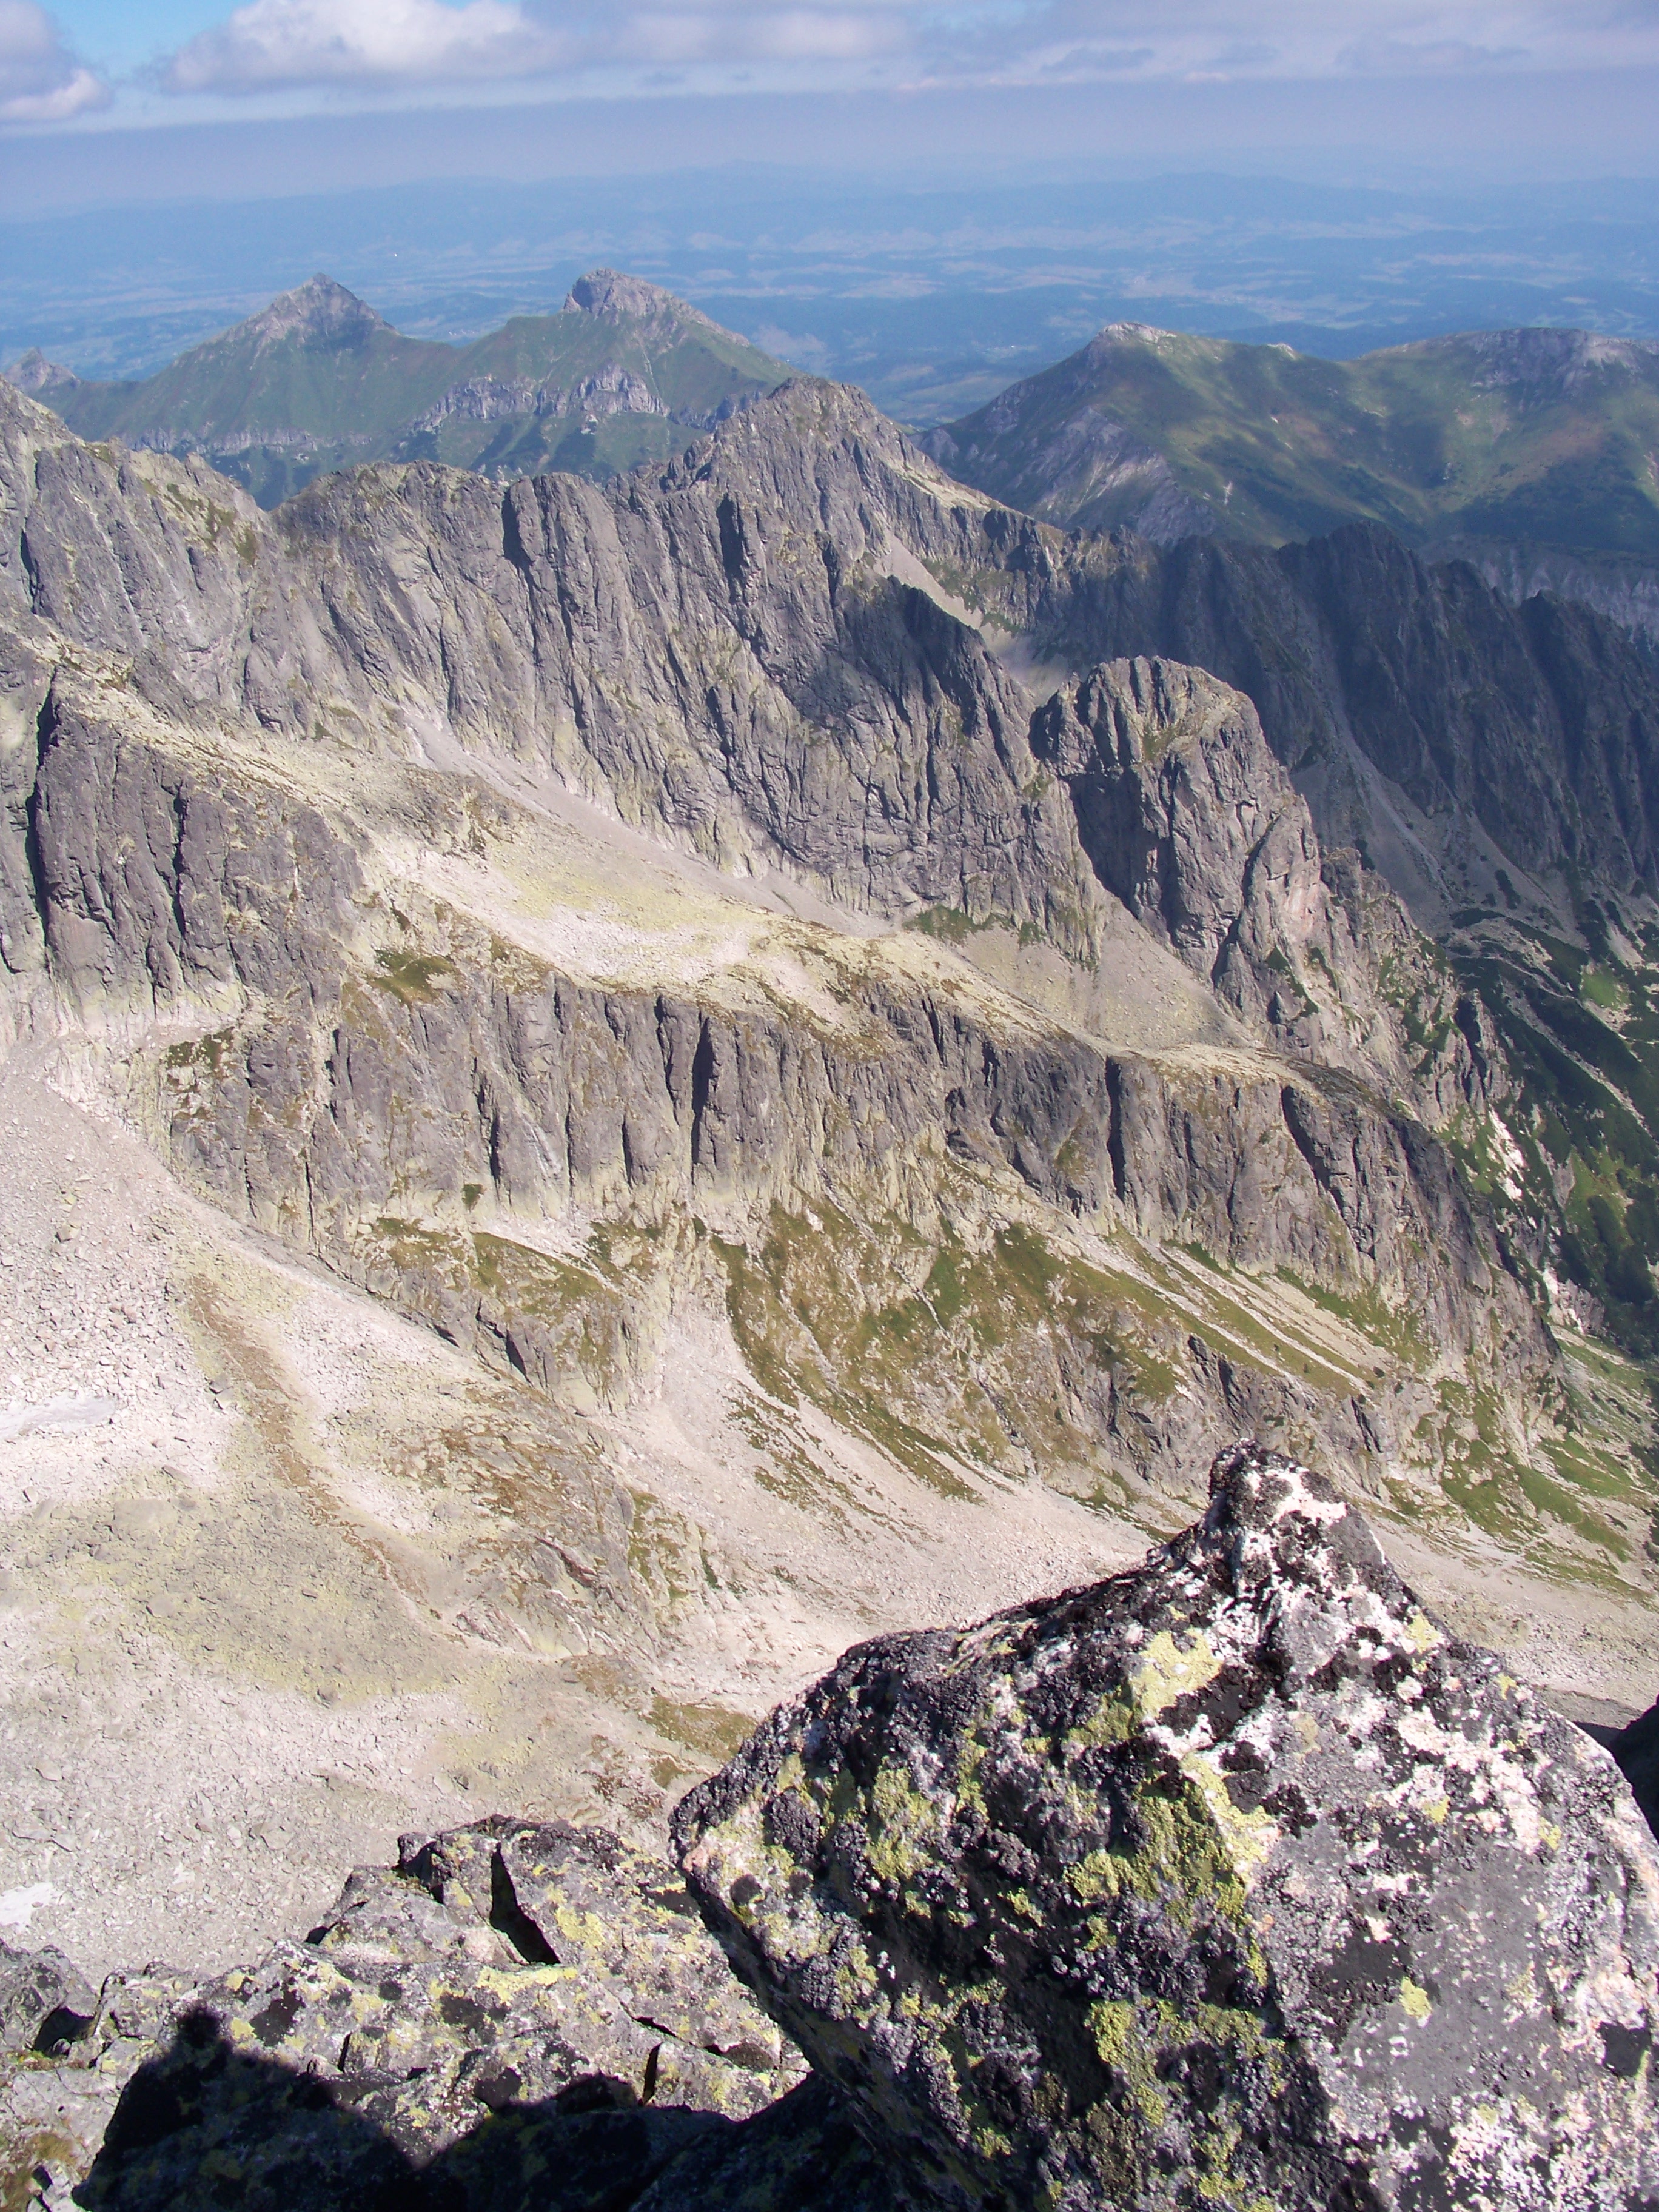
(317, 369)
(1549, 436)
(319, 381)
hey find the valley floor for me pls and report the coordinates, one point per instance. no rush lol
(263, 1607)
(263, 1536)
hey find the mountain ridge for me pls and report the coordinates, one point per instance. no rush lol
(728, 1058)
(1541, 437)
(319, 379)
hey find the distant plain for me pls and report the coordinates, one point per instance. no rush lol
(932, 297)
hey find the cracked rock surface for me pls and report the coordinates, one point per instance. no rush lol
(1230, 1879)
(514, 2015)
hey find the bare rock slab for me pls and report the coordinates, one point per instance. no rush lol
(1233, 1880)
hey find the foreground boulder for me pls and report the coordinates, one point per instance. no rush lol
(1233, 1880)
(516, 2018)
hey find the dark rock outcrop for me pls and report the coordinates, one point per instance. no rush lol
(1230, 1879)
(44, 2000)
(1637, 1750)
(515, 2017)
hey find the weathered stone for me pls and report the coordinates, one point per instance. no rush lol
(1232, 1879)
(45, 1999)
(1188, 818)
(515, 2001)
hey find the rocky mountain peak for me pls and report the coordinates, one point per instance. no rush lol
(318, 312)
(33, 373)
(1113, 334)
(1559, 361)
(611, 297)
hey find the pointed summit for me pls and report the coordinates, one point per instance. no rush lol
(611, 297)
(318, 380)
(320, 312)
(34, 374)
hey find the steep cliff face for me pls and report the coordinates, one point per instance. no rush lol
(859, 1118)
(667, 939)
(1533, 727)
(1496, 765)
(1186, 817)
(375, 1064)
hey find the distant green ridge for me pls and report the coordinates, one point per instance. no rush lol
(1550, 437)
(318, 380)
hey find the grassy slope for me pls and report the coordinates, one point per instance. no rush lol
(352, 400)
(363, 388)
(1282, 445)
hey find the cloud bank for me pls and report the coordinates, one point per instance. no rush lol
(375, 47)
(292, 42)
(276, 44)
(40, 81)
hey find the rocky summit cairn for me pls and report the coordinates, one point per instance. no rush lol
(1231, 1880)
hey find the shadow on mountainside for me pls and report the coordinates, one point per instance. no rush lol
(206, 2125)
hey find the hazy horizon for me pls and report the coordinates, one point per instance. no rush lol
(927, 200)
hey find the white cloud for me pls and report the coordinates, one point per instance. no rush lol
(274, 43)
(40, 81)
(271, 44)
(1293, 38)
(1432, 57)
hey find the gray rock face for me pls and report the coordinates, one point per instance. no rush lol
(720, 654)
(1535, 723)
(663, 645)
(1626, 592)
(155, 883)
(45, 1999)
(1186, 817)
(32, 372)
(1232, 1879)
(515, 2017)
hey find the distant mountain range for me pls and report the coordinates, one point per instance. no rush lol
(1532, 453)
(1529, 449)
(317, 381)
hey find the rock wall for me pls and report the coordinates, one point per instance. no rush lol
(734, 654)
(364, 1070)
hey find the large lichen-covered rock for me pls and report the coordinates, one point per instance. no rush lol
(1233, 1880)
(516, 2015)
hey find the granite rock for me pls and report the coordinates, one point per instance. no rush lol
(514, 2015)
(1232, 1879)
(45, 1999)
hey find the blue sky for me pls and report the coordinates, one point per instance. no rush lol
(1565, 83)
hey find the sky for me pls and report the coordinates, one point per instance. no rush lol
(109, 102)
(171, 62)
